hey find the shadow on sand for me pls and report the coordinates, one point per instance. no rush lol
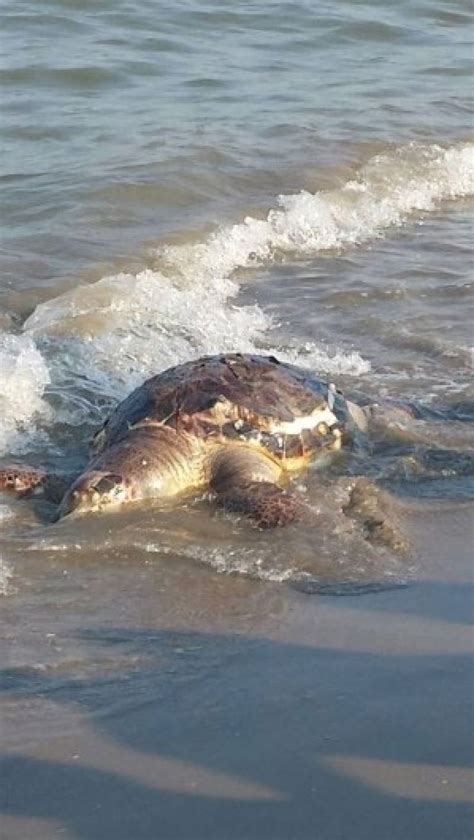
(222, 737)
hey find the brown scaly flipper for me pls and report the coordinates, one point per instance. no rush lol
(23, 481)
(245, 482)
(267, 504)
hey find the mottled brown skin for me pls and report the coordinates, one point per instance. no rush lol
(26, 480)
(22, 480)
(221, 422)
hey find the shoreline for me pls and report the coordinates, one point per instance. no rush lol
(328, 718)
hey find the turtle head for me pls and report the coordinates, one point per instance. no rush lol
(93, 491)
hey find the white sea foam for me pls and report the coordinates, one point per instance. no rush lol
(387, 189)
(23, 377)
(6, 575)
(107, 336)
(6, 512)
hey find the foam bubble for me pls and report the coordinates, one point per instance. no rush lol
(317, 359)
(6, 512)
(6, 574)
(23, 377)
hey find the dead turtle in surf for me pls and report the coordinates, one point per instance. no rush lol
(240, 425)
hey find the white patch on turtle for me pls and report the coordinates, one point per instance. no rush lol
(337, 438)
(309, 421)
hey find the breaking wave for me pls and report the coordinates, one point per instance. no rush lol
(86, 348)
(24, 376)
(385, 192)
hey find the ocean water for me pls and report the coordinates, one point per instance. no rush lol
(190, 177)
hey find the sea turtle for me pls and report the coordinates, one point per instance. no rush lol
(240, 425)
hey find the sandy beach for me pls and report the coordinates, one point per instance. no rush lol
(268, 714)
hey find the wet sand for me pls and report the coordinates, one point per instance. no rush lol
(266, 714)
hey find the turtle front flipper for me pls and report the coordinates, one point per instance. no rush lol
(246, 482)
(267, 504)
(22, 480)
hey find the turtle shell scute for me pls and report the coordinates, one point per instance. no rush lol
(233, 396)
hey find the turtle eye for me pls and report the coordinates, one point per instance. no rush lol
(322, 429)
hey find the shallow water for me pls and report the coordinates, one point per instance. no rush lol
(365, 283)
(190, 179)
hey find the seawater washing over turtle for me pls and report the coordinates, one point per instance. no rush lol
(240, 425)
